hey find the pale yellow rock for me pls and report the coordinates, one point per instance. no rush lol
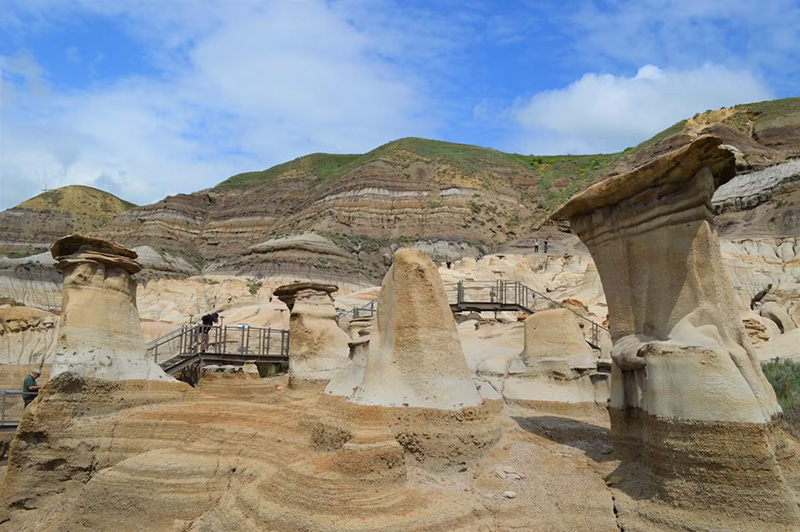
(317, 346)
(415, 357)
(777, 314)
(99, 334)
(687, 387)
(554, 343)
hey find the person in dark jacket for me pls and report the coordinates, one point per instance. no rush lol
(207, 322)
(30, 388)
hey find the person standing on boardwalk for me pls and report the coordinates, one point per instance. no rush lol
(30, 388)
(536, 246)
(546, 245)
(208, 321)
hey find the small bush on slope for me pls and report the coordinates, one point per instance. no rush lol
(784, 375)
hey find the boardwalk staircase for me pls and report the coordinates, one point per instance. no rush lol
(228, 345)
(497, 296)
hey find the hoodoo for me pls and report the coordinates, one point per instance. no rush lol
(99, 334)
(415, 356)
(689, 402)
(318, 347)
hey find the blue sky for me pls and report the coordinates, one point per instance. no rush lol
(146, 98)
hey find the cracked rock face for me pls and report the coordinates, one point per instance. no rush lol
(415, 356)
(99, 333)
(684, 373)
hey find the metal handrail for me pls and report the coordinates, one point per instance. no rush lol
(523, 296)
(368, 310)
(4, 421)
(255, 341)
(501, 292)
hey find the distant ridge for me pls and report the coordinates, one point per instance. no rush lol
(33, 225)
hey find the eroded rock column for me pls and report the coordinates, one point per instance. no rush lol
(688, 398)
(99, 334)
(415, 356)
(317, 346)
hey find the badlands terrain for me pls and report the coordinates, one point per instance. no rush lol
(500, 423)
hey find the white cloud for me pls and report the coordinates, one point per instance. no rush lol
(238, 89)
(758, 36)
(605, 113)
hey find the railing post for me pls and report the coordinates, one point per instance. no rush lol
(3, 409)
(460, 293)
(269, 335)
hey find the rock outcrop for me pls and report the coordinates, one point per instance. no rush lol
(689, 402)
(778, 315)
(415, 356)
(27, 335)
(99, 334)
(557, 368)
(318, 347)
(555, 344)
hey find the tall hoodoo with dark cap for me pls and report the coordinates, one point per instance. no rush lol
(688, 399)
(99, 335)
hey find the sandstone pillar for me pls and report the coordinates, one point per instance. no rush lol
(317, 346)
(415, 356)
(99, 334)
(688, 398)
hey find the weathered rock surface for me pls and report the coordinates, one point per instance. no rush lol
(554, 343)
(778, 315)
(349, 377)
(556, 368)
(684, 373)
(27, 335)
(95, 455)
(99, 334)
(318, 347)
(415, 357)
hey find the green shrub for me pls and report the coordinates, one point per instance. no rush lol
(784, 375)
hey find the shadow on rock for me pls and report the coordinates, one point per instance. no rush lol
(593, 440)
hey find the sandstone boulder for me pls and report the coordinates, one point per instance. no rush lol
(689, 402)
(99, 334)
(317, 346)
(775, 312)
(348, 378)
(554, 343)
(415, 356)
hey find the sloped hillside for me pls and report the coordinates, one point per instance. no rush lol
(448, 199)
(33, 225)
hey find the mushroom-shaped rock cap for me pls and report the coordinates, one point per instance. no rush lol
(665, 174)
(291, 289)
(288, 292)
(78, 248)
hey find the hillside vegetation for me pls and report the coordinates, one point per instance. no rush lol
(90, 207)
(557, 176)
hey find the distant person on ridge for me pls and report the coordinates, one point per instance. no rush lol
(546, 245)
(207, 322)
(30, 388)
(536, 246)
